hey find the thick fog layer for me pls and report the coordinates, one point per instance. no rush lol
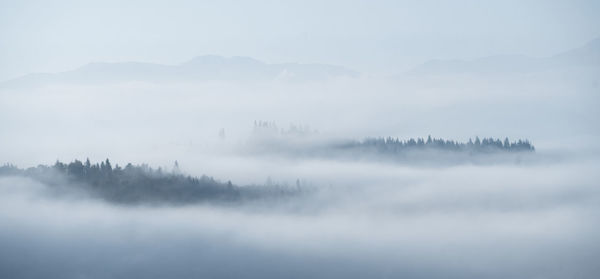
(382, 221)
(382, 139)
(527, 215)
(159, 123)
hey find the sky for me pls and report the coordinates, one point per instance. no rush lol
(380, 37)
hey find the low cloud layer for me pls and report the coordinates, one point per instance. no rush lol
(531, 215)
(462, 222)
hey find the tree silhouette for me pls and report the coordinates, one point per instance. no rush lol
(142, 184)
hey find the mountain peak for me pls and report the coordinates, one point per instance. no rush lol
(200, 68)
(595, 43)
(587, 55)
(219, 60)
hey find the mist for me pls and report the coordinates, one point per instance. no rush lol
(299, 140)
(471, 221)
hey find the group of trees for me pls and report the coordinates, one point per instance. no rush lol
(143, 184)
(270, 129)
(391, 145)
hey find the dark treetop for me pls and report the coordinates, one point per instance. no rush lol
(134, 184)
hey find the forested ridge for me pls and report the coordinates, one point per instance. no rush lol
(264, 130)
(412, 151)
(133, 184)
(395, 145)
(142, 184)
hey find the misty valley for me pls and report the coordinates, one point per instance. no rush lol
(143, 184)
(377, 214)
(299, 139)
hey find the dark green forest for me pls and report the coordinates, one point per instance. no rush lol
(393, 146)
(134, 184)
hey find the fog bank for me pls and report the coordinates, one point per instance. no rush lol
(469, 221)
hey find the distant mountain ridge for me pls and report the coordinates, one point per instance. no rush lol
(586, 56)
(201, 68)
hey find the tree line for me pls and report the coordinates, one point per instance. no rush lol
(143, 184)
(392, 145)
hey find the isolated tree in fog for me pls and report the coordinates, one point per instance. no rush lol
(176, 168)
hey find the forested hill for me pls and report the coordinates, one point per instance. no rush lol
(413, 151)
(134, 184)
(394, 145)
(432, 151)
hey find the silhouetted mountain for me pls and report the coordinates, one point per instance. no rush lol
(585, 56)
(202, 68)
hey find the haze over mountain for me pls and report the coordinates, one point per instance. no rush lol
(468, 168)
(201, 68)
(239, 68)
(586, 56)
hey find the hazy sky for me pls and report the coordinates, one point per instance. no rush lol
(371, 36)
